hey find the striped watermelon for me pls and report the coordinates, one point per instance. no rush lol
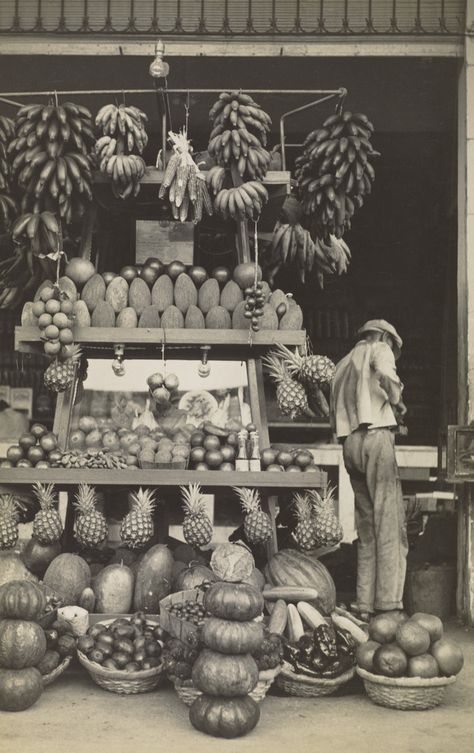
(292, 568)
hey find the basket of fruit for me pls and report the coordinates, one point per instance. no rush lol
(60, 648)
(50, 677)
(123, 655)
(407, 664)
(183, 613)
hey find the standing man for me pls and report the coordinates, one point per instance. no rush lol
(366, 407)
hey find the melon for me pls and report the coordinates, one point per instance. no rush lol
(127, 318)
(12, 568)
(269, 319)
(293, 319)
(231, 296)
(153, 580)
(117, 294)
(28, 319)
(185, 293)
(292, 568)
(239, 321)
(209, 295)
(82, 318)
(218, 318)
(93, 292)
(68, 575)
(172, 318)
(162, 293)
(103, 315)
(278, 297)
(151, 317)
(194, 318)
(113, 589)
(139, 296)
(38, 556)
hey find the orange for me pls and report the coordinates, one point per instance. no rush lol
(413, 638)
(430, 622)
(365, 655)
(448, 655)
(423, 665)
(390, 660)
(382, 628)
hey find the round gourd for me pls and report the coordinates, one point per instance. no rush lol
(68, 575)
(232, 637)
(21, 599)
(12, 568)
(292, 568)
(224, 717)
(19, 688)
(228, 676)
(193, 576)
(153, 579)
(37, 557)
(233, 601)
(22, 644)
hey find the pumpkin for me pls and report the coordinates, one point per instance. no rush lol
(292, 568)
(256, 579)
(37, 557)
(233, 601)
(21, 599)
(232, 637)
(193, 576)
(68, 575)
(12, 568)
(221, 675)
(224, 717)
(153, 579)
(232, 562)
(22, 644)
(19, 688)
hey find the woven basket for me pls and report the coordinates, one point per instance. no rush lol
(52, 676)
(173, 625)
(188, 693)
(302, 685)
(405, 693)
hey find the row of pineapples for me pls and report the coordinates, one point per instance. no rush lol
(299, 378)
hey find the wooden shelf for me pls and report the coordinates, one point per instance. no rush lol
(64, 477)
(153, 176)
(27, 337)
(298, 425)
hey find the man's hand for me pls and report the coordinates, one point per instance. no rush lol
(400, 410)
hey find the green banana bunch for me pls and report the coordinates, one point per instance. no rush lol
(49, 158)
(8, 205)
(241, 202)
(39, 230)
(126, 124)
(334, 172)
(239, 134)
(183, 181)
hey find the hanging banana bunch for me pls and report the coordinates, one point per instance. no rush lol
(49, 156)
(237, 143)
(8, 206)
(184, 182)
(334, 173)
(123, 133)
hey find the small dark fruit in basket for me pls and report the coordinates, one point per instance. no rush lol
(124, 645)
(121, 659)
(66, 645)
(106, 648)
(106, 638)
(110, 664)
(96, 630)
(153, 649)
(132, 666)
(97, 656)
(85, 644)
(51, 638)
(151, 662)
(60, 627)
(139, 655)
(159, 633)
(124, 631)
(139, 642)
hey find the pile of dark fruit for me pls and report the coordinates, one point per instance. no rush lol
(190, 611)
(128, 644)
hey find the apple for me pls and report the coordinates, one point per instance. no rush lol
(155, 380)
(87, 424)
(111, 441)
(77, 440)
(93, 439)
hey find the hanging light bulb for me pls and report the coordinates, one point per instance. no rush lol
(204, 368)
(117, 364)
(159, 68)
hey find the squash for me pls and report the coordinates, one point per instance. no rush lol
(232, 637)
(224, 717)
(68, 575)
(193, 576)
(278, 618)
(292, 568)
(22, 644)
(232, 562)
(21, 599)
(228, 676)
(113, 589)
(19, 689)
(233, 601)
(294, 625)
(153, 580)
(12, 568)
(37, 557)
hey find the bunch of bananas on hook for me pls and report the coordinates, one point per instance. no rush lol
(236, 202)
(334, 172)
(8, 205)
(239, 134)
(184, 182)
(49, 158)
(123, 132)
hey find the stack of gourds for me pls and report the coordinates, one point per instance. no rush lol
(225, 671)
(22, 644)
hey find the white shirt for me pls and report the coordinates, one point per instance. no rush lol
(364, 388)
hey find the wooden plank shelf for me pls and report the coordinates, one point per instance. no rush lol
(154, 176)
(25, 337)
(65, 477)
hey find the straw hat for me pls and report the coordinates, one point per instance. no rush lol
(380, 325)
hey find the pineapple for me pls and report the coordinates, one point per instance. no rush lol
(47, 525)
(59, 375)
(291, 396)
(197, 527)
(137, 526)
(328, 528)
(308, 369)
(257, 524)
(91, 526)
(304, 533)
(8, 521)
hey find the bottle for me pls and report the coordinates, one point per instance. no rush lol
(241, 461)
(254, 455)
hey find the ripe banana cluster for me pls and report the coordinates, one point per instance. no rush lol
(123, 130)
(183, 181)
(292, 245)
(239, 134)
(334, 173)
(241, 202)
(40, 230)
(49, 158)
(126, 124)
(8, 206)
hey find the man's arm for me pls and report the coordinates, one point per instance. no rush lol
(383, 362)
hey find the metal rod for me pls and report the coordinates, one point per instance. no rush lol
(92, 92)
(10, 102)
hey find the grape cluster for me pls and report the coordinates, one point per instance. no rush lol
(254, 302)
(190, 611)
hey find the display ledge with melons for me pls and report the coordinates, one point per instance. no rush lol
(171, 297)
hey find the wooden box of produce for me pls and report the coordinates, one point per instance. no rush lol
(179, 628)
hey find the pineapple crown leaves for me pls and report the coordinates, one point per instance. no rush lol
(143, 501)
(275, 367)
(193, 502)
(249, 498)
(44, 494)
(10, 507)
(86, 499)
(302, 506)
(326, 499)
